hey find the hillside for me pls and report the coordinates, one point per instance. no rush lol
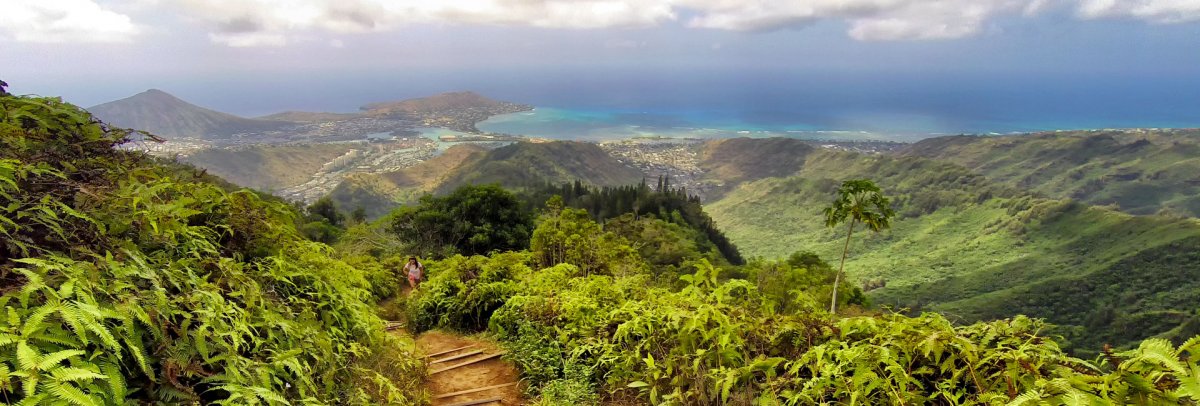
(976, 250)
(267, 167)
(517, 165)
(160, 113)
(131, 282)
(458, 111)
(523, 164)
(1137, 171)
(730, 162)
(379, 193)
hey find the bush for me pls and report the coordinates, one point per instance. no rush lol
(130, 284)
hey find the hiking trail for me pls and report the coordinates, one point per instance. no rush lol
(465, 371)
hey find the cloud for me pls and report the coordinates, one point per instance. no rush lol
(1155, 11)
(64, 21)
(272, 22)
(263, 22)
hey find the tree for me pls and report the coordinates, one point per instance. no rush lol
(859, 201)
(325, 209)
(471, 220)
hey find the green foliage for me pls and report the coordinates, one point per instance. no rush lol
(720, 343)
(462, 292)
(569, 236)
(323, 222)
(671, 205)
(471, 220)
(789, 284)
(978, 251)
(130, 284)
(1137, 171)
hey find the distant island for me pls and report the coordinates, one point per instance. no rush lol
(163, 114)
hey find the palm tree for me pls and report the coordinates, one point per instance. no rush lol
(859, 201)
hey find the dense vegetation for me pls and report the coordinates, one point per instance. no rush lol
(581, 336)
(519, 166)
(1139, 172)
(470, 220)
(664, 202)
(128, 281)
(974, 250)
(132, 281)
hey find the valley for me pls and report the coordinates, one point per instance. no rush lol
(984, 221)
(596, 286)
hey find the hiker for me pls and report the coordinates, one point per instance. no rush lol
(415, 272)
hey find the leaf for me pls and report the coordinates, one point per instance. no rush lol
(27, 357)
(71, 394)
(637, 384)
(116, 382)
(71, 374)
(51, 360)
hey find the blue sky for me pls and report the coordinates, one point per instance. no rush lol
(255, 56)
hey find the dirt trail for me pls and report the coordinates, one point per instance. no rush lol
(491, 372)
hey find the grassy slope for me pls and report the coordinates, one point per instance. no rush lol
(731, 162)
(378, 194)
(514, 166)
(1140, 172)
(975, 250)
(524, 164)
(267, 167)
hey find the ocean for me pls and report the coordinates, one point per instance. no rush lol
(598, 102)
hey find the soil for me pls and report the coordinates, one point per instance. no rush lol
(495, 371)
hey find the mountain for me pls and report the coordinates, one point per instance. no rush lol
(377, 194)
(458, 111)
(1136, 171)
(977, 249)
(517, 165)
(728, 163)
(268, 167)
(160, 113)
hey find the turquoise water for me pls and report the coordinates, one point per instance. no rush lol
(596, 125)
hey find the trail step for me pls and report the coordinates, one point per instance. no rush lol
(392, 325)
(449, 351)
(459, 356)
(462, 364)
(470, 391)
(475, 402)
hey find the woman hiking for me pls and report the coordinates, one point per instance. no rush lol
(415, 271)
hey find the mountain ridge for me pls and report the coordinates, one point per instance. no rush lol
(164, 114)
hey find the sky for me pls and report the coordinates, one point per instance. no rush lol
(258, 56)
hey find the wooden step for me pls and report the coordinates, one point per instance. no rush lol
(459, 356)
(470, 391)
(449, 351)
(475, 402)
(462, 364)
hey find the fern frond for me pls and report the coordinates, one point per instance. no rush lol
(27, 357)
(1157, 351)
(6, 339)
(35, 321)
(51, 360)
(116, 382)
(139, 355)
(71, 394)
(71, 374)
(1191, 346)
